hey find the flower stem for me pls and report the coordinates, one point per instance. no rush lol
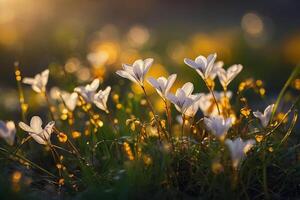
(20, 91)
(110, 117)
(169, 119)
(265, 183)
(49, 105)
(152, 110)
(182, 127)
(29, 162)
(214, 97)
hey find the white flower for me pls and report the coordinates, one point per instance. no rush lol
(100, 99)
(226, 77)
(238, 149)
(39, 82)
(214, 72)
(88, 92)
(192, 110)
(218, 126)
(8, 131)
(203, 66)
(35, 130)
(162, 85)
(137, 71)
(266, 116)
(70, 100)
(182, 98)
(207, 103)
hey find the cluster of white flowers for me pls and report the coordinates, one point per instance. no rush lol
(184, 101)
(90, 94)
(35, 130)
(188, 104)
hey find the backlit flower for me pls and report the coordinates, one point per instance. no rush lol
(162, 85)
(39, 82)
(207, 103)
(214, 72)
(182, 98)
(35, 130)
(226, 77)
(100, 99)
(70, 100)
(88, 92)
(203, 66)
(218, 126)
(8, 131)
(238, 149)
(193, 109)
(137, 71)
(266, 116)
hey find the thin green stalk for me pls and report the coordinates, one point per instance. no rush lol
(49, 105)
(152, 110)
(285, 87)
(168, 115)
(28, 161)
(265, 178)
(20, 91)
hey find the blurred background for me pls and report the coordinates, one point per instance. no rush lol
(88, 39)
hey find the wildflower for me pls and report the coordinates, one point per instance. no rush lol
(76, 134)
(62, 137)
(35, 130)
(162, 85)
(8, 131)
(238, 149)
(218, 126)
(100, 99)
(214, 72)
(182, 99)
(266, 116)
(207, 104)
(245, 112)
(88, 91)
(226, 77)
(39, 82)
(70, 100)
(203, 66)
(137, 71)
(193, 109)
(259, 138)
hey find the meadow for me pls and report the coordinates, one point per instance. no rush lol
(148, 137)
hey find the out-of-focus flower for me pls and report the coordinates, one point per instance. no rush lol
(137, 71)
(193, 109)
(207, 104)
(35, 130)
(8, 131)
(266, 116)
(138, 35)
(238, 149)
(88, 91)
(70, 100)
(162, 85)
(83, 74)
(217, 66)
(100, 99)
(39, 82)
(226, 77)
(218, 126)
(182, 99)
(203, 66)
(252, 24)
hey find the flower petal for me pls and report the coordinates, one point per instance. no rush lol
(36, 124)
